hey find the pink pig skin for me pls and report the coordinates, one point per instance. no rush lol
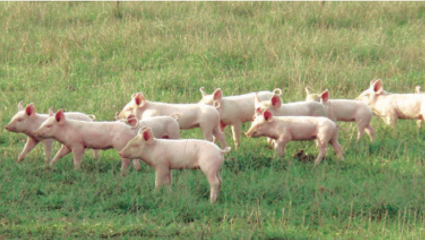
(191, 115)
(27, 120)
(391, 106)
(78, 135)
(286, 129)
(235, 110)
(164, 155)
(165, 127)
(346, 110)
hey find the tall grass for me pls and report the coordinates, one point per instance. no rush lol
(91, 57)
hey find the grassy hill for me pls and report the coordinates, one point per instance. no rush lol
(91, 56)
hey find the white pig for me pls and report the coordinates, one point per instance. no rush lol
(165, 127)
(27, 120)
(235, 110)
(285, 129)
(346, 110)
(391, 106)
(191, 115)
(164, 155)
(275, 105)
(78, 135)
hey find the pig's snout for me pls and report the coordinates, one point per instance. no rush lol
(121, 154)
(7, 128)
(247, 134)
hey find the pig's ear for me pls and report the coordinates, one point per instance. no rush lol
(140, 132)
(276, 101)
(324, 96)
(132, 120)
(51, 113)
(30, 110)
(202, 90)
(254, 117)
(60, 117)
(258, 112)
(148, 135)
(268, 116)
(21, 106)
(257, 99)
(139, 99)
(117, 115)
(218, 95)
(307, 91)
(277, 91)
(377, 87)
(373, 82)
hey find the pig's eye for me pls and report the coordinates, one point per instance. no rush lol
(20, 119)
(135, 145)
(48, 126)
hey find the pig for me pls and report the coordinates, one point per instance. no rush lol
(235, 110)
(275, 105)
(27, 120)
(391, 106)
(191, 115)
(346, 110)
(418, 89)
(79, 135)
(165, 127)
(166, 154)
(285, 129)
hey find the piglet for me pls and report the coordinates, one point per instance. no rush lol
(391, 106)
(191, 115)
(285, 129)
(235, 110)
(164, 155)
(165, 127)
(78, 135)
(346, 110)
(27, 120)
(275, 106)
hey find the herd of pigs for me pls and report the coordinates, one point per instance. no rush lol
(150, 131)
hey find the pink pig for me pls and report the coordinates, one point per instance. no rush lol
(164, 155)
(276, 107)
(27, 120)
(346, 110)
(165, 127)
(78, 135)
(235, 110)
(191, 115)
(286, 129)
(391, 106)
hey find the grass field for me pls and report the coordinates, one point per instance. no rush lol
(90, 57)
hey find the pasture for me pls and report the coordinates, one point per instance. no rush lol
(91, 56)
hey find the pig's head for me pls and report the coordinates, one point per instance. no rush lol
(133, 107)
(260, 123)
(371, 95)
(274, 103)
(210, 99)
(136, 146)
(24, 120)
(52, 126)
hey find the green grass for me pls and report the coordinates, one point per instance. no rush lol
(91, 57)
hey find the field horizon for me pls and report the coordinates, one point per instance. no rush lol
(92, 56)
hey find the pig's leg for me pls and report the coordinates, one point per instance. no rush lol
(337, 148)
(162, 175)
(371, 132)
(280, 146)
(125, 163)
(270, 142)
(391, 120)
(95, 154)
(236, 131)
(322, 151)
(78, 155)
(63, 151)
(31, 143)
(220, 181)
(220, 136)
(215, 183)
(47, 149)
(361, 130)
(136, 164)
